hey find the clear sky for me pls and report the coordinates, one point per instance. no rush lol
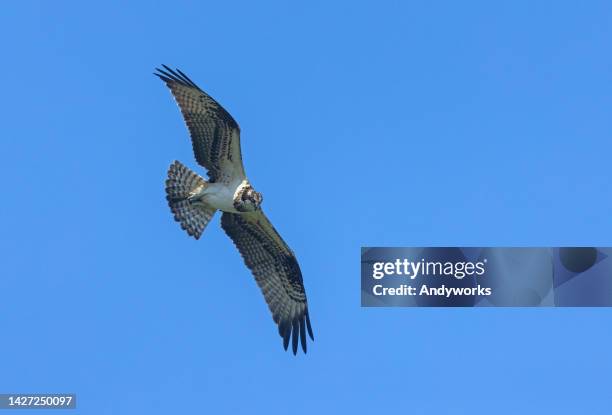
(379, 124)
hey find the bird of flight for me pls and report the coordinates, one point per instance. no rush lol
(215, 137)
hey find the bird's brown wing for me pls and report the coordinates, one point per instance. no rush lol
(215, 135)
(276, 271)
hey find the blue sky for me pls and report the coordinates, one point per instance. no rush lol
(376, 124)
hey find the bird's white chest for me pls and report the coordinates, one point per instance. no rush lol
(220, 196)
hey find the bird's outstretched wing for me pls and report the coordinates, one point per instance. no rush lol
(276, 271)
(215, 135)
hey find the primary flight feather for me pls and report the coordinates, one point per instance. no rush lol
(215, 137)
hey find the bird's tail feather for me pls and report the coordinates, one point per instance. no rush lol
(181, 184)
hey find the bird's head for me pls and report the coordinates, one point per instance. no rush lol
(247, 199)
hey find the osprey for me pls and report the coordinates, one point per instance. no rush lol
(215, 137)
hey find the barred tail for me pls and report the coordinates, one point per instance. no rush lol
(181, 184)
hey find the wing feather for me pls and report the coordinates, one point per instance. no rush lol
(276, 271)
(215, 135)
